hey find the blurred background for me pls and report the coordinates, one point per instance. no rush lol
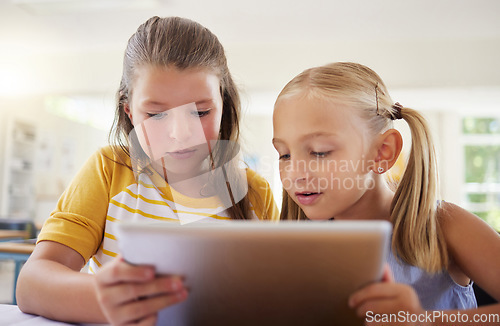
(60, 66)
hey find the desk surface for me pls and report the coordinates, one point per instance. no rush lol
(13, 234)
(17, 247)
(12, 316)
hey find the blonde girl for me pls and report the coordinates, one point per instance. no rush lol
(333, 130)
(174, 159)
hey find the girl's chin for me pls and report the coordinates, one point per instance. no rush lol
(187, 168)
(321, 218)
(315, 216)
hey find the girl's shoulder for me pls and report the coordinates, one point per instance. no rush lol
(261, 196)
(113, 153)
(112, 157)
(472, 244)
(453, 217)
(256, 181)
(462, 229)
(109, 162)
(447, 212)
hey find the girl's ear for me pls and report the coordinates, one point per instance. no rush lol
(126, 109)
(389, 147)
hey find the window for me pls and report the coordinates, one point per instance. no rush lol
(481, 143)
(97, 112)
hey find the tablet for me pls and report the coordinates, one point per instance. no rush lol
(261, 273)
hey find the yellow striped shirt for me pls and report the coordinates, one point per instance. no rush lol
(105, 192)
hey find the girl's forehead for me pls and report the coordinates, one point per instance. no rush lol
(171, 70)
(302, 115)
(316, 110)
(173, 84)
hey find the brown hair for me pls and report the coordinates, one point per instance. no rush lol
(417, 235)
(183, 44)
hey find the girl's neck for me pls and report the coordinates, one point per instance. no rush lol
(188, 184)
(375, 204)
(193, 187)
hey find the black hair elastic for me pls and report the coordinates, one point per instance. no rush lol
(397, 111)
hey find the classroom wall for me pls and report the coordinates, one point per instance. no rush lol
(268, 67)
(62, 147)
(444, 84)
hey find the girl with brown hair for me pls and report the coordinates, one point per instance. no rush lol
(174, 158)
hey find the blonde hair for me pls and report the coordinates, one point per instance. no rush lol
(417, 236)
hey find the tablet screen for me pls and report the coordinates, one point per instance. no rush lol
(262, 273)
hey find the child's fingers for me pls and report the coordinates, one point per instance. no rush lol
(132, 291)
(387, 274)
(375, 290)
(385, 298)
(148, 321)
(119, 271)
(372, 292)
(385, 305)
(138, 310)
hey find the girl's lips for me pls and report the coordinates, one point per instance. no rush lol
(182, 154)
(307, 198)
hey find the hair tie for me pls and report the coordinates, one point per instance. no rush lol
(397, 111)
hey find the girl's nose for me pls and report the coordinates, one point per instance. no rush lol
(180, 128)
(297, 172)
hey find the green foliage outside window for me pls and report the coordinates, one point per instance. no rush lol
(482, 164)
(491, 216)
(481, 126)
(482, 169)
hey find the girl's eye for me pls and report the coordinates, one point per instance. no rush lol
(157, 116)
(284, 157)
(201, 113)
(320, 154)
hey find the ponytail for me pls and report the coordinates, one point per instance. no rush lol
(417, 236)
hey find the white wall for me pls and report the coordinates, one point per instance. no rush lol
(455, 76)
(455, 63)
(63, 146)
(443, 108)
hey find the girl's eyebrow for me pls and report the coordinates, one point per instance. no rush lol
(318, 134)
(309, 136)
(165, 104)
(205, 101)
